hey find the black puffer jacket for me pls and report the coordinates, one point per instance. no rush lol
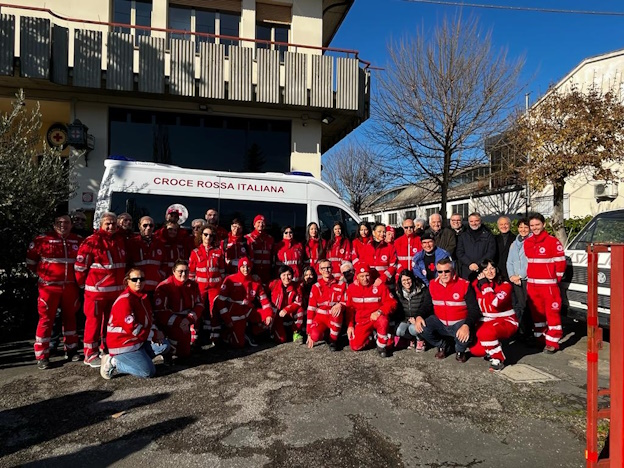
(408, 306)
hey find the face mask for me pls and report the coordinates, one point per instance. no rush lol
(348, 276)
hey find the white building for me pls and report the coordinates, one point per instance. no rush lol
(186, 82)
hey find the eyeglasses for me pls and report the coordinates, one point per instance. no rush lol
(135, 280)
(196, 228)
(288, 232)
(182, 272)
(443, 271)
(408, 227)
(325, 268)
(147, 225)
(207, 234)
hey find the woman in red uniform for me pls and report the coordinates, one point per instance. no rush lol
(498, 319)
(339, 249)
(289, 252)
(363, 237)
(286, 299)
(315, 246)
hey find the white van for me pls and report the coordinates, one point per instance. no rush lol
(607, 227)
(148, 189)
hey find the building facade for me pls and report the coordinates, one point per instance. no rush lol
(233, 85)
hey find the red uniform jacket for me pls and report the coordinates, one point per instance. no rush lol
(289, 300)
(323, 296)
(495, 301)
(130, 323)
(101, 264)
(176, 248)
(313, 253)
(449, 303)
(406, 247)
(291, 254)
(358, 245)
(150, 258)
(175, 301)
(52, 258)
(240, 295)
(362, 301)
(381, 257)
(233, 249)
(546, 261)
(261, 245)
(338, 253)
(207, 267)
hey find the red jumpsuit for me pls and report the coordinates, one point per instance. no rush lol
(406, 247)
(150, 258)
(323, 296)
(207, 268)
(382, 259)
(175, 301)
(100, 268)
(358, 244)
(237, 304)
(546, 264)
(291, 254)
(498, 321)
(178, 247)
(362, 301)
(52, 258)
(130, 323)
(234, 248)
(288, 299)
(261, 245)
(338, 253)
(314, 251)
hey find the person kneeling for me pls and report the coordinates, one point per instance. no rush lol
(133, 340)
(368, 307)
(286, 297)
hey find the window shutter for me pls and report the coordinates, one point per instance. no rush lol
(223, 5)
(269, 13)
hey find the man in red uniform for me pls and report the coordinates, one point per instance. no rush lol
(52, 257)
(368, 308)
(326, 307)
(241, 301)
(176, 243)
(100, 269)
(212, 217)
(450, 309)
(177, 307)
(147, 252)
(407, 246)
(261, 245)
(545, 268)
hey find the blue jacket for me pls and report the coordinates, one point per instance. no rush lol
(517, 259)
(419, 262)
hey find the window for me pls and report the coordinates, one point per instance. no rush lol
(273, 32)
(328, 215)
(365, 218)
(203, 21)
(378, 218)
(201, 141)
(276, 214)
(608, 229)
(462, 209)
(430, 211)
(392, 219)
(410, 214)
(135, 13)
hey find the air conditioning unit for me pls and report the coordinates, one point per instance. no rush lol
(606, 191)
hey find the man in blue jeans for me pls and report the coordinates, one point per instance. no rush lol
(450, 309)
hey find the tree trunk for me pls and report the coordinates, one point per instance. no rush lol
(557, 217)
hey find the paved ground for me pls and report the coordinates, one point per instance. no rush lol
(288, 406)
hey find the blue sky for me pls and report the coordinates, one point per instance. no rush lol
(552, 43)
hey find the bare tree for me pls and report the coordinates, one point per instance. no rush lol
(352, 170)
(441, 96)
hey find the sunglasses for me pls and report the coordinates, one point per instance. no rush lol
(408, 227)
(207, 234)
(325, 268)
(443, 271)
(182, 272)
(135, 280)
(147, 225)
(288, 232)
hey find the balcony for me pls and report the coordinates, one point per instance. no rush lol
(73, 54)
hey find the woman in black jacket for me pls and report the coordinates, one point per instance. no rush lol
(409, 294)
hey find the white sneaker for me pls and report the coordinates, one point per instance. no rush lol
(107, 370)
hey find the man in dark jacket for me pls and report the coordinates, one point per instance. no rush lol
(474, 245)
(503, 243)
(443, 236)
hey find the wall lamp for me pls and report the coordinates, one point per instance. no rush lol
(328, 119)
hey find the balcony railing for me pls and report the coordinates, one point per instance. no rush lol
(101, 58)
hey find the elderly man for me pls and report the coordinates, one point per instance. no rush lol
(124, 226)
(407, 246)
(503, 242)
(368, 308)
(424, 263)
(475, 245)
(212, 218)
(147, 252)
(449, 309)
(443, 236)
(347, 273)
(52, 257)
(79, 223)
(457, 224)
(196, 226)
(100, 268)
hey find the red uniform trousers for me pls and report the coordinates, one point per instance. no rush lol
(488, 334)
(212, 323)
(97, 308)
(282, 324)
(180, 338)
(545, 305)
(322, 322)
(235, 335)
(363, 333)
(50, 298)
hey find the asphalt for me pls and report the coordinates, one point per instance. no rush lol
(287, 406)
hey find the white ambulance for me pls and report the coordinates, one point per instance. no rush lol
(607, 227)
(149, 189)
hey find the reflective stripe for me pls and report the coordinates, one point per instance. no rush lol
(555, 327)
(546, 260)
(498, 349)
(262, 251)
(490, 343)
(336, 324)
(58, 260)
(30, 262)
(114, 329)
(456, 303)
(125, 349)
(494, 315)
(542, 281)
(171, 320)
(92, 345)
(147, 262)
(540, 324)
(104, 289)
(538, 334)
(41, 353)
(361, 300)
(201, 280)
(112, 266)
(39, 339)
(551, 339)
(404, 258)
(202, 269)
(137, 330)
(451, 322)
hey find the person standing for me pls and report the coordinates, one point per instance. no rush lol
(212, 217)
(339, 249)
(147, 253)
(362, 238)
(124, 227)
(380, 256)
(443, 236)
(474, 245)
(235, 247)
(425, 261)
(546, 264)
(517, 271)
(289, 252)
(261, 245)
(51, 257)
(503, 239)
(315, 246)
(100, 269)
(407, 246)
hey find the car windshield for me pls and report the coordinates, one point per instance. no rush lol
(607, 229)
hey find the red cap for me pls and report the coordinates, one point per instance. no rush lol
(362, 268)
(244, 261)
(389, 229)
(173, 210)
(258, 218)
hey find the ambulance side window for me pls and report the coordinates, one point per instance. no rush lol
(328, 215)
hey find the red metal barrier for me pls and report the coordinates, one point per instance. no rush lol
(615, 411)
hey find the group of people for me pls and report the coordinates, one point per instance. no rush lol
(169, 291)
